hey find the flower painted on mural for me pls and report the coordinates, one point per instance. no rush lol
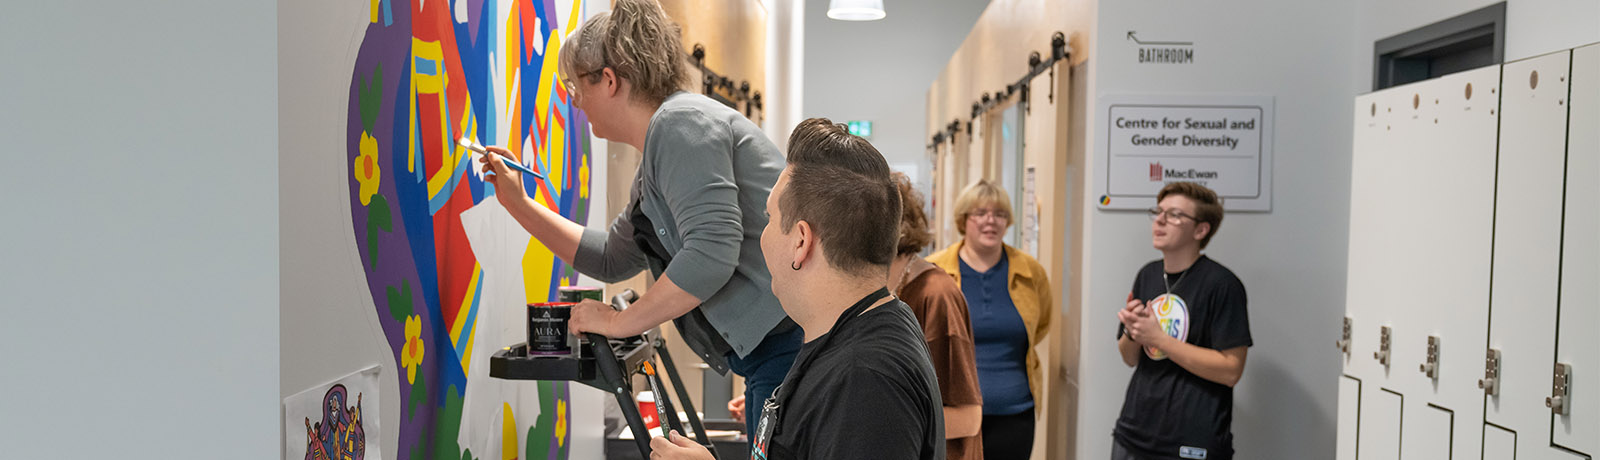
(583, 178)
(366, 169)
(411, 356)
(561, 422)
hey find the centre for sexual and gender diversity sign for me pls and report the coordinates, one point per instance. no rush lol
(1148, 141)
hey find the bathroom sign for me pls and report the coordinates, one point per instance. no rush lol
(1148, 141)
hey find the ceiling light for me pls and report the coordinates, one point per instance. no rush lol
(856, 10)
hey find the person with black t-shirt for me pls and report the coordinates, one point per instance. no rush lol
(1186, 330)
(862, 386)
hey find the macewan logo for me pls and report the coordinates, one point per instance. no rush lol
(1155, 172)
(1189, 174)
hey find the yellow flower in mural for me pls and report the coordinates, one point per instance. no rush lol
(561, 422)
(583, 178)
(411, 355)
(366, 168)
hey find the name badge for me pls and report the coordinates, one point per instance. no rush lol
(1192, 452)
(764, 428)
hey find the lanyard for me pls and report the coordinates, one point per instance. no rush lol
(769, 410)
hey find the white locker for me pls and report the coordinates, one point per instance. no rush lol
(1380, 425)
(1577, 343)
(1349, 413)
(1527, 248)
(1499, 444)
(1420, 237)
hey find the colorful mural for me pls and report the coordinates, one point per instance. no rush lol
(439, 254)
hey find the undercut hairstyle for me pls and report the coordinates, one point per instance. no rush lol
(1207, 205)
(914, 234)
(637, 41)
(840, 185)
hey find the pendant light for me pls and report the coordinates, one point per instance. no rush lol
(856, 10)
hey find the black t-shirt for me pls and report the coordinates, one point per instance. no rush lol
(865, 390)
(1169, 412)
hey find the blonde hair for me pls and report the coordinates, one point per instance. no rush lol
(981, 194)
(637, 41)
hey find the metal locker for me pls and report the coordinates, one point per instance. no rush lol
(1417, 295)
(1527, 247)
(1579, 310)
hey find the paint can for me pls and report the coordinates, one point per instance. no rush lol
(576, 294)
(547, 329)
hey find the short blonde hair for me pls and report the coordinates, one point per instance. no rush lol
(981, 194)
(637, 41)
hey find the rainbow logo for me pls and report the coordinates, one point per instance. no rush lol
(1105, 200)
(1173, 315)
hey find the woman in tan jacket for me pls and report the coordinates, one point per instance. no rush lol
(1010, 306)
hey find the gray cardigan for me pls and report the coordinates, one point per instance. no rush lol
(703, 182)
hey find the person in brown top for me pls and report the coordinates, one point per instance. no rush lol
(941, 309)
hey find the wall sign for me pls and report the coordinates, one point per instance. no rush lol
(1221, 141)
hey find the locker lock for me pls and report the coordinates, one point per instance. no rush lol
(1344, 342)
(1557, 402)
(1431, 367)
(1490, 383)
(1382, 355)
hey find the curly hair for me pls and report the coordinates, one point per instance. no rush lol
(914, 234)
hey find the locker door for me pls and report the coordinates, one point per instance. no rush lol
(1380, 425)
(1428, 434)
(1349, 414)
(1527, 246)
(1413, 147)
(1577, 344)
(1499, 444)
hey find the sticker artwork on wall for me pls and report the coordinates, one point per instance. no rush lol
(337, 421)
(449, 271)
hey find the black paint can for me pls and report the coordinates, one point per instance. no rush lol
(547, 329)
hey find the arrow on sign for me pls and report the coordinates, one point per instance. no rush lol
(1141, 42)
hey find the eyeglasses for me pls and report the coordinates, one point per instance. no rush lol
(985, 213)
(572, 88)
(1171, 215)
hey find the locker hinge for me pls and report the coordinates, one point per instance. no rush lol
(1431, 368)
(1344, 342)
(1490, 383)
(1382, 355)
(1558, 401)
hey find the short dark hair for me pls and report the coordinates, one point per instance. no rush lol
(839, 184)
(914, 234)
(1207, 205)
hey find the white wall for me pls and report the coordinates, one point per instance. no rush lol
(1292, 259)
(140, 233)
(880, 70)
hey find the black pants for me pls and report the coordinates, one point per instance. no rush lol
(1008, 437)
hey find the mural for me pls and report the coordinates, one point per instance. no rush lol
(448, 270)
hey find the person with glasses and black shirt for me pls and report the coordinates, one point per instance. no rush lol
(863, 386)
(1186, 331)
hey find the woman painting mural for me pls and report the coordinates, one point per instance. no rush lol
(696, 210)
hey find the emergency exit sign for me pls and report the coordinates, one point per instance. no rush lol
(860, 128)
